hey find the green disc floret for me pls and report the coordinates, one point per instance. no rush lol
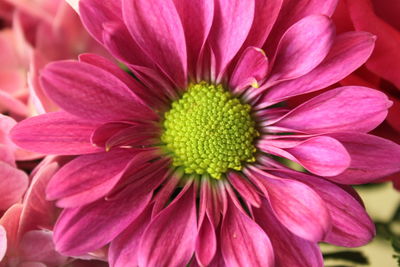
(209, 131)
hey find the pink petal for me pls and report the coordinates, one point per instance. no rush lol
(289, 250)
(351, 225)
(32, 264)
(13, 183)
(243, 242)
(110, 67)
(206, 242)
(83, 180)
(55, 133)
(10, 222)
(90, 92)
(157, 29)
(196, 17)
(96, 12)
(246, 190)
(302, 48)
(320, 155)
(37, 211)
(349, 51)
(179, 233)
(231, 25)
(292, 11)
(3, 242)
(87, 228)
(385, 61)
(124, 249)
(262, 24)
(38, 246)
(372, 157)
(350, 108)
(299, 208)
(250, 70)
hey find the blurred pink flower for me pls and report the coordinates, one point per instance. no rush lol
(26, 237)
(39, 32)
(171, 165)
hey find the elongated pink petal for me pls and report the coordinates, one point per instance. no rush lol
(289, 249)
(38, 246)
(244, 188)
(262, 24)
(31, 264)
(91, 92)
(206, 242)
(110, 67)
(124, 249)
(231, 25)
(350, 108)
(302, 48)
(349, 51)
(243, 242)
(250, 70)
(84, 177)
(351, 225)
(3, 242)
(10, 221)
(13, 183)
(157, 29)
(292, 11)
(196, 17)
(55, 133)
(320, 155)
(179, 233)
(372, 157)
(299, 208)
(87, 228)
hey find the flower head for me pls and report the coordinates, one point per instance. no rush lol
(180, 162)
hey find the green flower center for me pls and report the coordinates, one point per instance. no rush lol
(209, 131)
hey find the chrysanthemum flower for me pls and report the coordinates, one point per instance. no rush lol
(178, 165)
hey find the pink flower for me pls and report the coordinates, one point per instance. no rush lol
(13, 182)
(26, 237)
(178, 163)
(41, 31)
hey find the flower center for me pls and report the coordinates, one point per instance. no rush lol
(209, 131)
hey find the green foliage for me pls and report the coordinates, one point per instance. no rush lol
(351, 256)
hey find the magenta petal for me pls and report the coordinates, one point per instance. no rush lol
(302, 48)
(179, 233)
(262, 24)
(87, 228)
(372, 157)
(243, 242)
(13, 183)
(289, 249)
(250, 70)
(84, 179)
(206, 243)
(299, 208)
(320, 155)
(196, 17)
(124, 249)
(350, 108)
(349, 51)
(55, 133)
(351, 225)
(231, 25)
(38, 246)
(247, 191)
(91, 92)
(157, 29)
